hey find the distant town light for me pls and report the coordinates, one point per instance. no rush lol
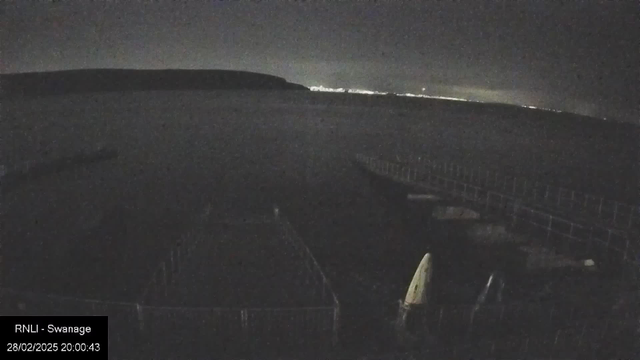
(353, 91)
(373, 92)
(325, 89)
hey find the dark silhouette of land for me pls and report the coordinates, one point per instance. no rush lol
(103, 80)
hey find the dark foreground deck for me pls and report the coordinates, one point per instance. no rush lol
(248, 265)
(243, 287)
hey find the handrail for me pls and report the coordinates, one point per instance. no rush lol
(507, 205)
(616, 213)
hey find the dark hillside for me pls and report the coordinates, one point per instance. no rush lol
(103, 80)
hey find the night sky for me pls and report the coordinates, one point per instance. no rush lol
(582, 57)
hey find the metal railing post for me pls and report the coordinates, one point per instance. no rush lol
(626, 250)
(573, 199)
(560, 191)
(488, 200)
(526, 347)
(173, 266)
(555, 343)
(164, 279)
(244, 323)
(571, 231)
(581, 335)
(336, 323)
(600, 208)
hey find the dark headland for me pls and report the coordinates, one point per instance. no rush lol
(104, 80)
